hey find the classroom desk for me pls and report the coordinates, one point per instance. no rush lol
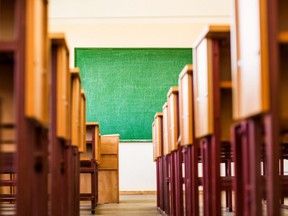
(213, 110)
(24, 68)
(157, 135)
(259, 76)
(187, 140)
(60, 139)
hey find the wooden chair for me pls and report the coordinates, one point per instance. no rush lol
(60, 126)
(259, 76)
(213, 113)
(76, 141)
(24, 123)
(157, 135)
(89, 161)
(176, 151)
(168, 169)
(188, 142)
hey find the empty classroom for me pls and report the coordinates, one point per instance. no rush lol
(143, 107)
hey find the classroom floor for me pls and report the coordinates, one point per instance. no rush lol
(136, 205)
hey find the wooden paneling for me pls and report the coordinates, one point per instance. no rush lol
(109, 161)
(173, 118)
(108, 174)
(36, 103)
(186, 105)
(85, 183)
(76, 136)
(203, 88)
(250, 59)
(108, 185)
(109, 144)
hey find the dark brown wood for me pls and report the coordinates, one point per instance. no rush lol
(228, 170)
(191, 180)
(58, 166)
(178, 182)
(254, 133)
(172, 175)
(238, 185)
(272, 121)
(8, 46)
(166, 182)
(207, 187)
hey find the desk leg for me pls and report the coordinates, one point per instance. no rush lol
(228, 192)
(178, 182)
(191, 180)
(166, 184)
(238, 180)
(254, 139)
(206, 183)
(172, 184)
(93, 186)
(272, 170)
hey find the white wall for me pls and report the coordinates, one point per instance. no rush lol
(134, 23)
(137, 171)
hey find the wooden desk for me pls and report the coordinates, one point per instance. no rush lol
(259, 63)
(212, 53)
(61, 161)
(24, 68)
(108, 182)
(213, 110)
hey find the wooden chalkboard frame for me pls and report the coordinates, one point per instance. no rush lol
(125, 87)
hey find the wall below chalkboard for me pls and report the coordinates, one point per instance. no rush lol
(126, 86)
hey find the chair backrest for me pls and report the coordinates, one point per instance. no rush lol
(75, 107)
(186, 112)
(173, 118)
(166, 146)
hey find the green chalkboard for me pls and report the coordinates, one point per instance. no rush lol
(125, 87)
